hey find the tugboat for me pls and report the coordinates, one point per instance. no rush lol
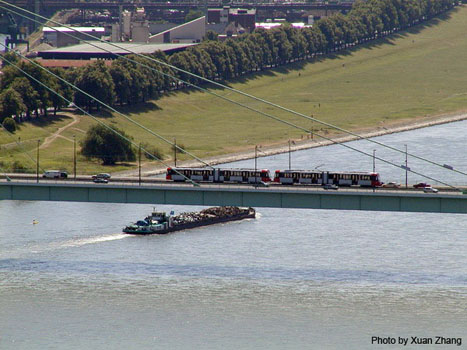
(160, 222)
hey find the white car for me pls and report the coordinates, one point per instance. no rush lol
(392, 185)
(430, 189)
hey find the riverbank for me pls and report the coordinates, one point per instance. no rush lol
(301, 144)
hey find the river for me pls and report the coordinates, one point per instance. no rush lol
(290, 279)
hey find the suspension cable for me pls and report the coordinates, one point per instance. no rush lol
(222, 86)
(109, 107)
(97, 120)
(282, 121)
(21, 146)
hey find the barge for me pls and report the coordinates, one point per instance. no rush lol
(161, 222)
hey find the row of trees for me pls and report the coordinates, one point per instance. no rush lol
(127, 82)
(131, 82)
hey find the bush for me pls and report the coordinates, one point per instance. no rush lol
(178, 150)
(18, 167)
(156, 152)
(9, 124)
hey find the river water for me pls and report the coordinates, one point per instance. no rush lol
(290, 279)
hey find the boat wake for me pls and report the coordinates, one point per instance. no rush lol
(91, 240)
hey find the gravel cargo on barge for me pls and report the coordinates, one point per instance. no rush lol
(161, 222)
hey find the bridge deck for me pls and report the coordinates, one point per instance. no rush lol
(211, 195)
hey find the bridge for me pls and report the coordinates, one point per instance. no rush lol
(311, 197)
(237, 195)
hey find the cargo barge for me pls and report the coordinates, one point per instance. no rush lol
(161, 222)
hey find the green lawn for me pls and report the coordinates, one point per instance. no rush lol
(412, 74)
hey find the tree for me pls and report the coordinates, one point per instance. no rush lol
(122, 80)
(62, 88)
(102, 143)
(11, 57)
(210, 35)
(9, 124)
(30, 96)
(95, 80)
(11, 104)
(36, 72)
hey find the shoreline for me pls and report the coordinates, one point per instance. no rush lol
(415, 123)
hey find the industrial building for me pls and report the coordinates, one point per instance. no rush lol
(190, 32)
(101, 50)
(60, 36)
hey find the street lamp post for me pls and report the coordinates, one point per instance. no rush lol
(290, 157)
(374, 165)
(256, 165)
(37, 161)
(74, 157)
(139, 164)
(406, 168)
(312, 127)
(175, 152)
(374, 161)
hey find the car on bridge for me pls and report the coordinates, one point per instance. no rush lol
(392, 185)
(101, 176)
(430, 189)
(55, 174)
(100, 180)
(421, 185)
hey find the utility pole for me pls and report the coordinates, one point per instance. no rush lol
(256, 156)
(374, 161)
(406, 168)
(139, 162)
(175, 152)
(290, 158)
(37, 161)
(74, 157)
(312, 126)
(374, 165)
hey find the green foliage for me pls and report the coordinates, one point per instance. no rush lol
(102, 143)
(11, 104)
(9, 124)
(95, 80)
(18, 167)
(211, 35)
(192, 15)
(29, 95)
(157, 154)
(11, 57)
(179, 148)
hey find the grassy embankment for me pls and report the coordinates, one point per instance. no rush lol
(413, 74)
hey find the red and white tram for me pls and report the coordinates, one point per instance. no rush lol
(218, 175)
(314, 177)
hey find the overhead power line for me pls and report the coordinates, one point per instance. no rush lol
(247, 107)
(222, 86)
(265, 114)
(90, 115)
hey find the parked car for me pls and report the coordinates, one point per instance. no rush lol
(55, 174)
(392, 185)
(421, 185)
(100, 180)
(430, 189)
(330, 187)
(102, 176)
